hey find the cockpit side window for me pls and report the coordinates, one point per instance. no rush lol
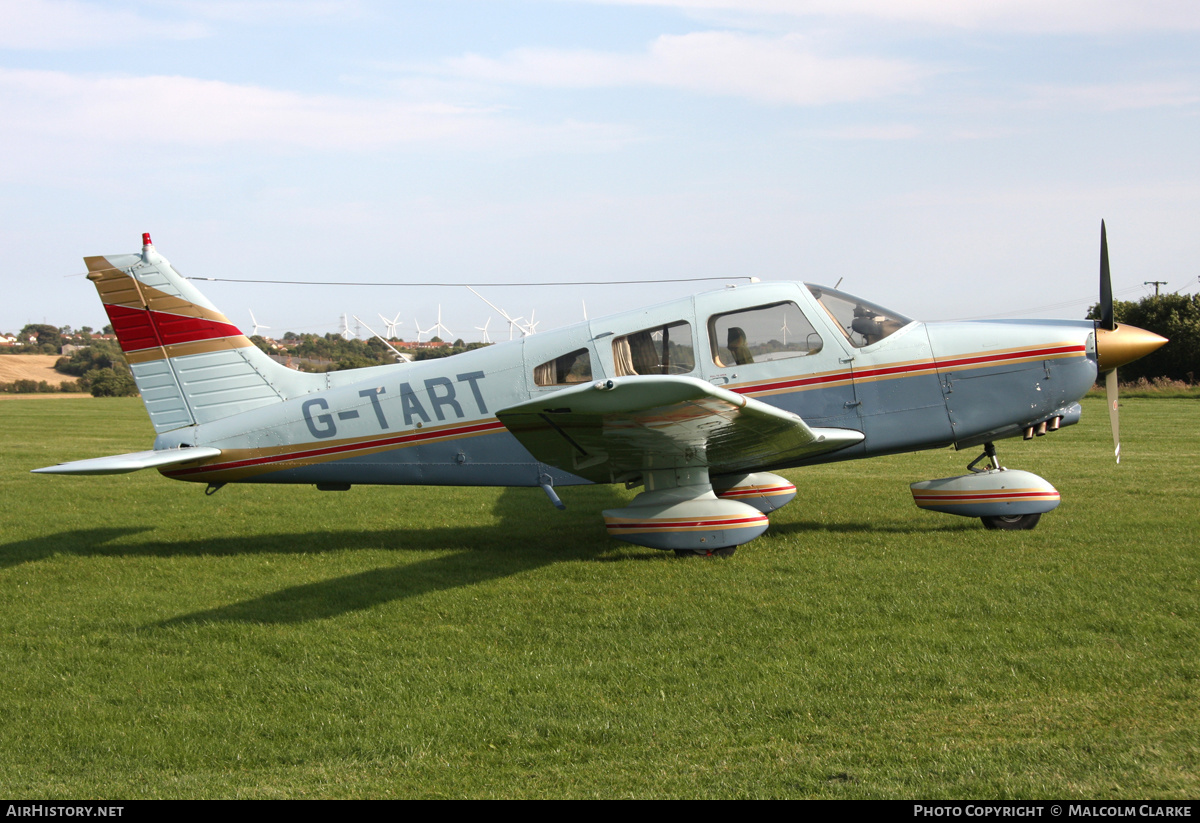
(566, 370)
(665, 349)
(773, 332)
(862, 321)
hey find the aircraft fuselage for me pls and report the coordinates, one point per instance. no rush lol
(920, 386)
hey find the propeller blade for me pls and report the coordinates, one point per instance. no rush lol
(1106, 301)
(1110, 387)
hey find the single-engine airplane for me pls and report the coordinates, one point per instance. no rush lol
(696, 400)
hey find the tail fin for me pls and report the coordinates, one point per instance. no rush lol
(190, 363)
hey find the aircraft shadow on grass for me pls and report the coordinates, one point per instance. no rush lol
(530, 541)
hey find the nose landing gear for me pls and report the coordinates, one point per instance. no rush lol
(1003, 499)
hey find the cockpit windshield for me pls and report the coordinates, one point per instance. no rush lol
(862, 321)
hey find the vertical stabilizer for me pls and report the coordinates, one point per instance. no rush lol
(190, 363)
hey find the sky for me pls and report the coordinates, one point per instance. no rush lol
(948, 160)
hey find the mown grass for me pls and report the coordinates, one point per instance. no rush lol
(420, 642)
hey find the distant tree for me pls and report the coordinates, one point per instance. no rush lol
(49, 338)
(111, 383)
(107, 330)
(99, 355)
(354, 363)
(1175, 317)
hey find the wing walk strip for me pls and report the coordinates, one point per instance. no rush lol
(258, 461)
(914, 368)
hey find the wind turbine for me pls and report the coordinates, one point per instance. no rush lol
(532, 327)
(421, 331)
(440, 326)
(390, 325)
(504, 314)
(484, 329)
(256, 325)
(784, 328)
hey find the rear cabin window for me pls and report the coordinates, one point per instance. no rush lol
(665, 349)
(566, 370)
(774, 332)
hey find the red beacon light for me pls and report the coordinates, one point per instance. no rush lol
(146, 239)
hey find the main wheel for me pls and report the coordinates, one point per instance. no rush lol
(726, 552)
(1011, 522)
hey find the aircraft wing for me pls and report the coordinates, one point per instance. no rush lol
(614, 430)
(121, 463)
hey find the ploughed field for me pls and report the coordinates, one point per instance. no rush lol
(38, 367)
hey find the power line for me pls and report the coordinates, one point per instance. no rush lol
(1048, 307)
(469, 285)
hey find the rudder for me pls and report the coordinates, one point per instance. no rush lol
(190, 363)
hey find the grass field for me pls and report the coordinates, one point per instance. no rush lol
(271, 642)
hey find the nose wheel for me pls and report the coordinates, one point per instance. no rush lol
(1003, 522)
(1011, 522)
(725, 552)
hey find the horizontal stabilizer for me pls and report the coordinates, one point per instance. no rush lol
(122, 463)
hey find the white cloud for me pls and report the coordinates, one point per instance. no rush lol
(191, 112)
(69, 24)
(1028, 16)
(1116, 96)
(266, 11)
(890, 131)
(767, 69)
(205, 112)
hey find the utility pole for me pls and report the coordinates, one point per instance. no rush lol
(1155, 283)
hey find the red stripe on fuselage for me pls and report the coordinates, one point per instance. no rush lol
(977, 361)
(407, 439)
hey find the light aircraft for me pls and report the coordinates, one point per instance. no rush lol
(697, 401)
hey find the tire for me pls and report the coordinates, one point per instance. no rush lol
(1011, 522)
(726, 552)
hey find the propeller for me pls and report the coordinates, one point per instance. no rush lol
(1116, 344)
